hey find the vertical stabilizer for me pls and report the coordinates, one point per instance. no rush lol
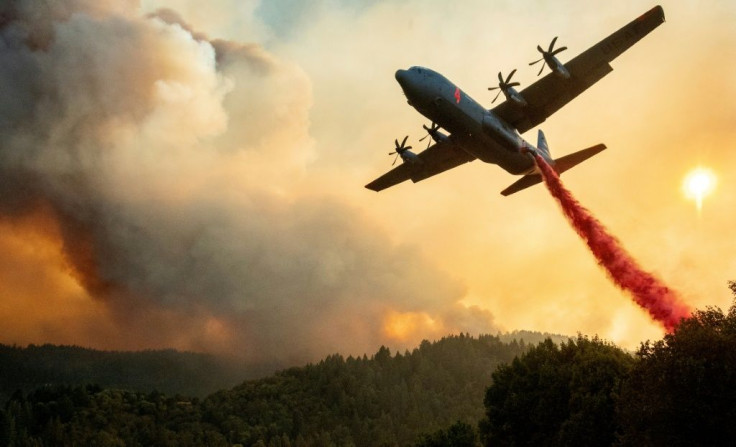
(542, 145)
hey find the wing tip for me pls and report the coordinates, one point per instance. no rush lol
(656, 11)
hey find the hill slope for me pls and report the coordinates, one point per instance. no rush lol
(385, 399)
(168, 371)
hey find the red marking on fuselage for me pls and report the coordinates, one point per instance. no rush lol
(457, 95)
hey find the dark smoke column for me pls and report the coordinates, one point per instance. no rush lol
(662, 303)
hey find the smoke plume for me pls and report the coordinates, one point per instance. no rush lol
(662, 303)
(166, 166)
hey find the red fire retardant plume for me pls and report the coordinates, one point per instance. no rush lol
(662, 303)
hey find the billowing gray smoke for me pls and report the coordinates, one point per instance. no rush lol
(171, 166)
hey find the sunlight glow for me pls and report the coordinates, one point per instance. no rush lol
(402, 326)
(697, 184)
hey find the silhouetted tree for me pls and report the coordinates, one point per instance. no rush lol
(556, 395)
(683, 391)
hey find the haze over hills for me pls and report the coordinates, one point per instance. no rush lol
(168, 371)
(387, 397)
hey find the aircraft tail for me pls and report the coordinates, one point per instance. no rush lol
(560, 165)
(542, 145)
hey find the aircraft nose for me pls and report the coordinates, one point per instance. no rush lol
(401, 76)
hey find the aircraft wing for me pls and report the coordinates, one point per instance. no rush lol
(550, 93)
(437, 158)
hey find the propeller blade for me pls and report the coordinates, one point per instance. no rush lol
(541, 69)
(552, 45)
(513, 84)
(493, 88)
(559, 50)
(540, 49)
(536, 61)
(509, 76)
(430, 132)
(494, 99)
(500, 78)
(434, 127)
(400, 149)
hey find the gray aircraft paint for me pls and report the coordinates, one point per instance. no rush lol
(493, 136)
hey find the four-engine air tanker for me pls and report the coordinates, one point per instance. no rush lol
(493, 136)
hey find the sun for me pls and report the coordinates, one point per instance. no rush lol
(699, 183)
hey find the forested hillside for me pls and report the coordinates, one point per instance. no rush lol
(383, 400)
(388, 398)
(676, 391)
(167, 371)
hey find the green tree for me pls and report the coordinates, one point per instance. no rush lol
(683, 391)
(556, 395)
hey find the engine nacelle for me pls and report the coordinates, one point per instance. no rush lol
(439, 137)
(410, 157)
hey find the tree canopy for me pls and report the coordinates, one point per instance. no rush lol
(682, 391)
(677, 391)
(556, 395)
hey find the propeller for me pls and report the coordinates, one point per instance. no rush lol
(400, 149)
(548, 55)
(504, 85)
(431, 131)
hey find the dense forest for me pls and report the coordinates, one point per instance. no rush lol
(460, 391)
(385, 399)
(168, 371)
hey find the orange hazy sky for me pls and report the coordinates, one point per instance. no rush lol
(289, 141)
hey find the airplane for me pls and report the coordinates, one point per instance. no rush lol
(494, 136)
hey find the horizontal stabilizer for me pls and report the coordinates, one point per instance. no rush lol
(522, 183)
(561, 165)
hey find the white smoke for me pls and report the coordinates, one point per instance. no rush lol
(171, 164)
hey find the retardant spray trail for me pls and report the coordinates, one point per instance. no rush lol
(662, 303)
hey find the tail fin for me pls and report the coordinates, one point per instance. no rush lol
(542, 145)
(561, 165)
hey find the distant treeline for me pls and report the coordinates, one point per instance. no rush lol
(385, 399)
(168, 371)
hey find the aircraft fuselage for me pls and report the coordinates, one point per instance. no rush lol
(472, 127)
